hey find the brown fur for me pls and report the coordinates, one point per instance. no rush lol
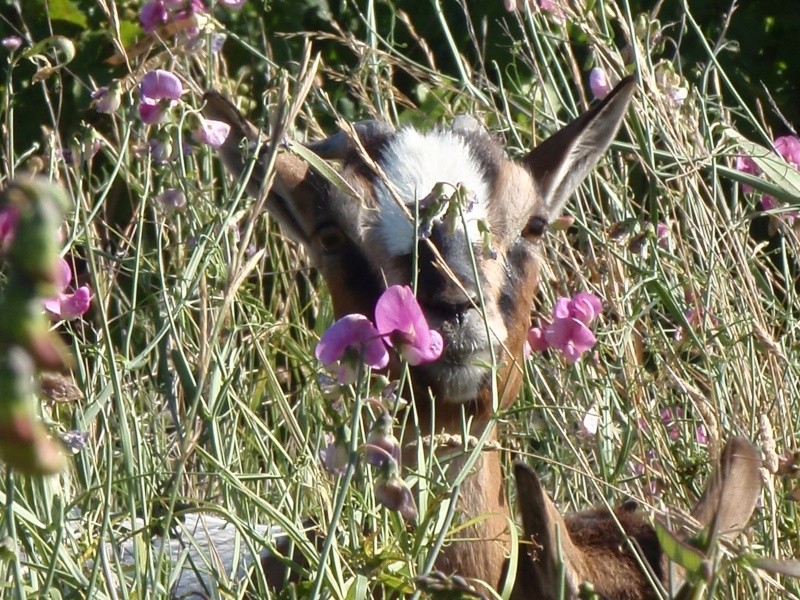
(607, 550)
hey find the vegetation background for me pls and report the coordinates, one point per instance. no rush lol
(198, 384)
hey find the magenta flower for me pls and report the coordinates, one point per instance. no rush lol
(11, 42)
(382, 438)
(161, 85)
(350, 340)
(598, 83)
(393, 493)
(211, 132)
(569, 331)
(153, 14)
(788, 146)
(399, 317)
(583, 307)
(64, 306)
(235, 4)
(571, 336)
(745, 164)
(662, 235)
(536, 340)
(160, 91)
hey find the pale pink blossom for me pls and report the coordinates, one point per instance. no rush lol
(211, 132)
(599, 83)
(67, 306)
(349, 341)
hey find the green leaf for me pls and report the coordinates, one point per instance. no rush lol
(67, 10)
(679, 552)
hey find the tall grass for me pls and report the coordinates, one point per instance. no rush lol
(196, 362)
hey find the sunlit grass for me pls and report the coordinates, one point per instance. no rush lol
(197, 366)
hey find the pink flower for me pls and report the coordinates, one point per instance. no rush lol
(153, 14)
(571, 336)
(584, 307)
(662, 235)
(235, 4)
(65, 306)
(598, 83)
(536, 340)
(701, 435)
(399, 317)
(788, 146)
(160, 91)
(211, 132)
(569, 331)
(11, 42)
(745, 164)
(161, 85)
(350, 340)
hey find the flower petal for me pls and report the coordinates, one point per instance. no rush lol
(352, 331)
(598, 83)
(585, 307)
(161, 85)
(75, 305)
(211, 132)
(64, 274)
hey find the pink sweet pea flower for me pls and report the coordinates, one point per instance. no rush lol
(599, 83)
(350, 340)
(536, 341)
(160, 91)
(399, 317)
(571, 336)
(211, 132)
(583, 307)
(161, 85)
(153, 14)
(65, 306)
(745, 164)
(788, 146)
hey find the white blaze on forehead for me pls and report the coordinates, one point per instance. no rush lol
(414, 163)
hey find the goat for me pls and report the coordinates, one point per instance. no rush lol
(362, 241)
(562, 552)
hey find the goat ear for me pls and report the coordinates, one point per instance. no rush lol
(546, 542)
(732, 491)
(293, 189)
(562, 161)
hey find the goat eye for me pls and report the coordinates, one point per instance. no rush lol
(534, 229)
(331, 238)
